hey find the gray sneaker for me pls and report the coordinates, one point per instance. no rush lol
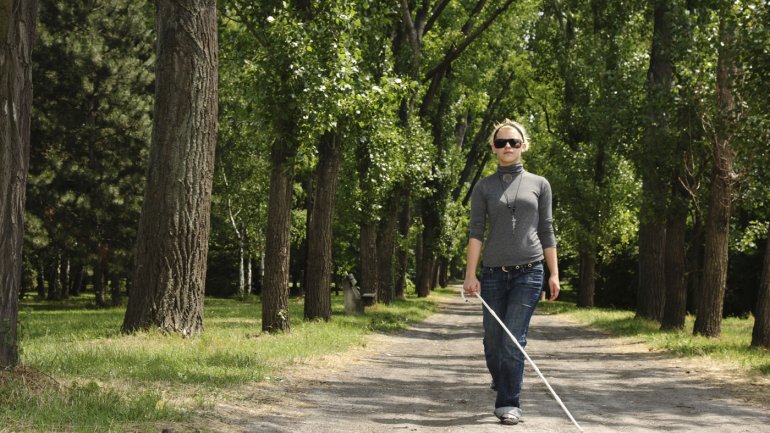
(508, 415)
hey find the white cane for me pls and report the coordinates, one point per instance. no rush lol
(537, 370)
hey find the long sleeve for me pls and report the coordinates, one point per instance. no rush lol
(545, 221)
(478, 213)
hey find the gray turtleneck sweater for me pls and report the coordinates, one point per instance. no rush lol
(530, 195)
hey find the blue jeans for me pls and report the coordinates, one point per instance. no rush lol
(513, 296)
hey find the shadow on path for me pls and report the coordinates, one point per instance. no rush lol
(432, 378)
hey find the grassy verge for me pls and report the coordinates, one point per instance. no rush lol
(732, 347)
(81, 374)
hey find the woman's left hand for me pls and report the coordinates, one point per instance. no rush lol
(554, 286)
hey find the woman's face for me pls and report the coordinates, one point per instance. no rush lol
(508, 155)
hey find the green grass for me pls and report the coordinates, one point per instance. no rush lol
(731, 347)
(133, 382)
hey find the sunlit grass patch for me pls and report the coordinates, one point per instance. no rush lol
(732, 346)
(154, 376)
(30, 401)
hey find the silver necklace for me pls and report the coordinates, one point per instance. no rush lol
(507, 177)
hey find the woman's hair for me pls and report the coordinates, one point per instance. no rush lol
(508, 123)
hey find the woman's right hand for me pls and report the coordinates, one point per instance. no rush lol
(471, 285)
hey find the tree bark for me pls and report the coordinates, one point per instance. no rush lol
(18, 19)
(172, 241)
(115, 289)
(587, 277)
(443, 272)
(675, 309)
(65, 277)
(760, 335)
(368, 280)
(651, 293)
(320, 234)
(402, 254)
(76, 283)
(368, 254)
(425, 271)
(53, 279)
(652, 278)
(100, 271)
(708, 321)
(249, 276)
(386, 248)
(275, 289)
(41, 280)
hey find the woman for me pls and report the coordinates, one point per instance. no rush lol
(517, 205)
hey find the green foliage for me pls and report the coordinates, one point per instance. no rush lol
(92, 74)
(592, 75)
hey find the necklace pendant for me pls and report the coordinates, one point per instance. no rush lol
(513, 223)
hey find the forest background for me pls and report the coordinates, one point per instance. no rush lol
(350, 134)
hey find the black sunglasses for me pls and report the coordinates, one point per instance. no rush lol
(514, 142)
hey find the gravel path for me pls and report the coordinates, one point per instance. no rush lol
(432, 378)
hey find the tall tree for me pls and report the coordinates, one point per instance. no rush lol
(17, 28)
(319, 263)
(93, 105)
(172, 242)
(417, 21)
(711, 301)
(651, 293)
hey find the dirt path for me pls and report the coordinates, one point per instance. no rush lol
(432, 378)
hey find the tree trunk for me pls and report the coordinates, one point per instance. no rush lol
(241, 269)
(386, 249)
(41, 280)
(369, 281)
(760, 336)
(651, 293)
(18, 19)
(172, 240)
(426, 271)
(587, 277)
(675, 309)
(99, 270)
(115, 289)
(249, 276)
(275, 289)
(65, 277)
(402, 254)
(435, 272)
(652, 278)
(53, 279)
(709, 318)
(76, 283)
(443, 272)
(320, 234)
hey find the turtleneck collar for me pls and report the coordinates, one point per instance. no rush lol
(513, 169)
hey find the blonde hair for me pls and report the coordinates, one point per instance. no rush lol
(508, 123)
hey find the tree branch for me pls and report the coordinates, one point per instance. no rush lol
(471, 17)
(454, 53)
(411, 31)
(435, 14)
(422, 16)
